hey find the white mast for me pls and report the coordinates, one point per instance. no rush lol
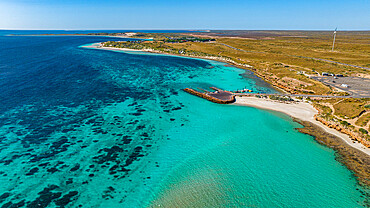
(335, 33)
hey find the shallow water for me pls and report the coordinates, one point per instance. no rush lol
(94, 128)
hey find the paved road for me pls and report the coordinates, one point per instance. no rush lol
(238, 49)
(335, 62)
(355, 86)
(318, 59)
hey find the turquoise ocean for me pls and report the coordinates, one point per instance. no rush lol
(84, 127)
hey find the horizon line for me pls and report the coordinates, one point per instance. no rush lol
(187, 29)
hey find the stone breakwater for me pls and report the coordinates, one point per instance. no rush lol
(227, 98)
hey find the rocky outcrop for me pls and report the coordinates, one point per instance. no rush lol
(340, 128)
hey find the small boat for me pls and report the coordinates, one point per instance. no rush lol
(243, 91)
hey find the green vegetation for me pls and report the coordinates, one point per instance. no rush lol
(125, 44)
(344, 123)
(363, 119)
(187, 39)
(364, 131)
(158, 46)
(281, 98)
(325, 110)
(350, 108)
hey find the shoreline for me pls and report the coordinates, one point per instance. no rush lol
(302, 113)
(311, 119)
(212, 58)
(355, 156)
(99, 46)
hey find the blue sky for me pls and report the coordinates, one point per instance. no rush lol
(190, 14)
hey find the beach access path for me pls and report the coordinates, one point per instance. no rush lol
(301, 110)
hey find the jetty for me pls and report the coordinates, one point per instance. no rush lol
(218, 96)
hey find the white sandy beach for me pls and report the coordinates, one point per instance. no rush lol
(100, 46)
(301, 110)
(214, 58)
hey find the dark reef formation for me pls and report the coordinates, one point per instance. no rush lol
(355, 160)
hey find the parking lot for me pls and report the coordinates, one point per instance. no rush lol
(356, 86)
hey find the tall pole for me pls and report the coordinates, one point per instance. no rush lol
(335, 33)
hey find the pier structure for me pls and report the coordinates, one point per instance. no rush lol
(225, 97)
(218, 96)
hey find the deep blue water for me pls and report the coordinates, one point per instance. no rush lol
(94, 128)
(37, 32)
